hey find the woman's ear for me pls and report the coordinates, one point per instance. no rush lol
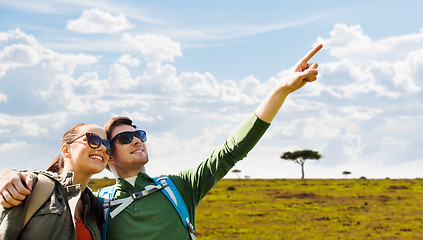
(66, 150)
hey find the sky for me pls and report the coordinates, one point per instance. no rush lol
(188, 72)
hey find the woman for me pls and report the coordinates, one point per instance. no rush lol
(71, 212)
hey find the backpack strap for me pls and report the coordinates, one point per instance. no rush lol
(172, 193)
(164, 184)
(106, 196)
(39, 195)
(124, 202)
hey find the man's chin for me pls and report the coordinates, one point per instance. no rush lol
(141, 161)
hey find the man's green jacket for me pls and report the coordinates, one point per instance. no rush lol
(154, 217)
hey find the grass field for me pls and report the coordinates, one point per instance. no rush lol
(310, 209)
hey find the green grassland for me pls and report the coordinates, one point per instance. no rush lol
(310, 209)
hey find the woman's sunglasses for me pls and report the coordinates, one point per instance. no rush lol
(127, 137)
(94, 141)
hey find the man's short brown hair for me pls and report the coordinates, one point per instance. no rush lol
(114, 122)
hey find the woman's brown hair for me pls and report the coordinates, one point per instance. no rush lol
(70, 134)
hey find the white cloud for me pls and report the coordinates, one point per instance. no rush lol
(347, 42)
(26, 155)
(18, 50)
(230, 91)
(168, 147)
(22, 50)
(120, 77)
(4, 131)
(32, 128)
(329, 126)
(154, 48)
(33, 125)
(406, 71)
(199, 87)
(19, 55)
(285, 128)
(37, 77)
(371, 129)
(382, 67)
(129, 60)
(200, 84)
(89, 82)
(230, 30)
(97, 21)
(66, 63)
(352, 44)
(12, 146)
(162, 78)
(3, 97)
(253, 91)
(137, 116)
(36, 71)
(16, 37)
(352, 146)
(361, 113)
(356, 111)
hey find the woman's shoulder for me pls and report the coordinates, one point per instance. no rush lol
(51, 175)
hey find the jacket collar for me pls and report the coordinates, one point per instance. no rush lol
(142, 180)
(73, 191)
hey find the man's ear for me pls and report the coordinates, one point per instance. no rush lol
(66, 150)
(110, 164)
(111, 161)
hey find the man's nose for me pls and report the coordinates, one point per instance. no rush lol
(136, 141)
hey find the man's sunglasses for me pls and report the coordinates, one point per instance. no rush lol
(127, 137)
(94, 141)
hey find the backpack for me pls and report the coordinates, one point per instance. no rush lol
(39, 195)
(164, 184)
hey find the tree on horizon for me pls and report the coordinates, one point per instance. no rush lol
(346, 173)
(236, 171)
(300, 157)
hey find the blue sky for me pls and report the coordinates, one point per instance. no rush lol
(188, 72)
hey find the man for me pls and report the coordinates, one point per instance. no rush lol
(153, 216)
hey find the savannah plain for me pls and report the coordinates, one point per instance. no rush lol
(309, 209)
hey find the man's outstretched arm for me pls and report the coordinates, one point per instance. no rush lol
(302, 73)
(14, 187)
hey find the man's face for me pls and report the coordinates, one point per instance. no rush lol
(128, 158)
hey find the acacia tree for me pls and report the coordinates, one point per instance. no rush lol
(345, 173)
(236, 171)
(300, 157)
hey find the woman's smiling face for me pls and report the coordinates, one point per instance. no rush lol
(81, 157)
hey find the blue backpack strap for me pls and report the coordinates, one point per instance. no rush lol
(172, 193)
(106, 196)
